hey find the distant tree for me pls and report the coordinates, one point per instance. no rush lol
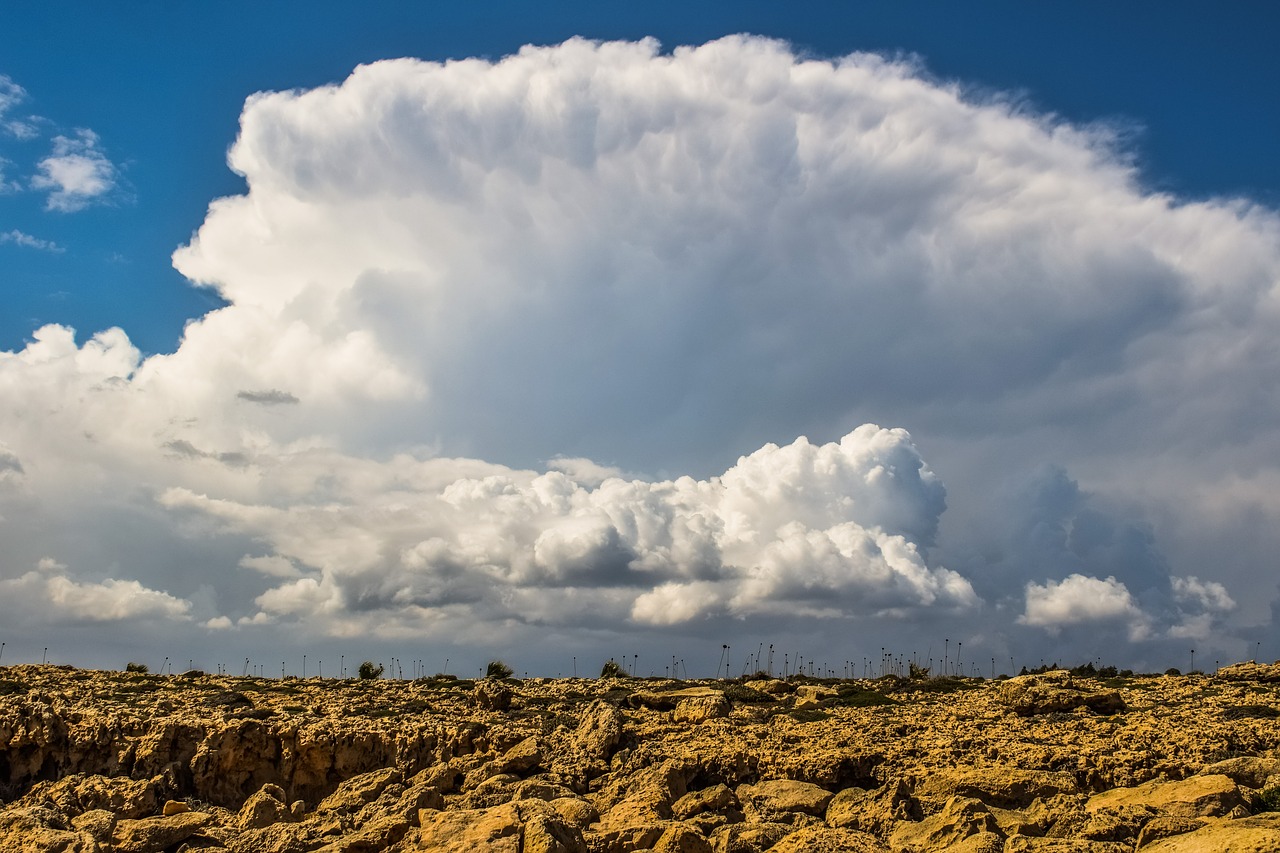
(135, 667)
(369, 670)
(612, 669)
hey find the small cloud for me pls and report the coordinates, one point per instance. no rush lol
(18, 238)
(1079, 599)
(272, 566)
(77, 173)
(268, 398)
(219, 623)
(584, 471)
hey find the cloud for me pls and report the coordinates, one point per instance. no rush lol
(1078, 599)
(442, 273)
(18, 238)
(62, 599)
(11, 94)
(76, 174)
(822, 529)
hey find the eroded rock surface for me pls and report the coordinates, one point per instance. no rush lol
(95, 762)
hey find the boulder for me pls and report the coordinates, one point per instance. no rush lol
(264, 808)
(959, 819)
(1257, 834)
(1195, 796)
(699, 709)
(715, 798)
(492, 695)
(521, 758)
(1006, 787)
(682, 839)
(599, 730)
(154, 834)
(748, 837)
(779, 800)
(1250, 771)
(353, 794)
(668, 700)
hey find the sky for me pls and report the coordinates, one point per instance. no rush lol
(560, 333)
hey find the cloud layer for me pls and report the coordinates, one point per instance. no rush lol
(620, 259)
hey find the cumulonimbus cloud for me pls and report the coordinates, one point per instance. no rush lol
(601, 251)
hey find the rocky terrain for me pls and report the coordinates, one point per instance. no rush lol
(137, 763)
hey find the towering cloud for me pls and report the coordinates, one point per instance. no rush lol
(621, 259)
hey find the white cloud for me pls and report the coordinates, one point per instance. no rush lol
(77, 173)
(61, 599)
(1078, 599)
(18, 238)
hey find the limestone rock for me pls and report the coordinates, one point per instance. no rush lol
(1196, 796)
(1006, 787)
(1166, 826)
(715, 798)
(780, 799)
(354, 793)
(678, 838)
(492, 695)
(154, 834)
(668, 699)
(1029, 844)
(748, 838)
(824, 839)
(523, 757)
(264, 808)
(575, 812)
(1258, 834)
(173, 807)
(1054, 693)
(1264, 673)
(959, 819)
(600, 730)
(699, 709)
(33, 830)
(1250, 771)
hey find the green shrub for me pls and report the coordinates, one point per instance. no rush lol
(498, 669)
(135, 667)
(1269, 799)
(368, 670)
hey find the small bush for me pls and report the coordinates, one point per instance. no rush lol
(612, 669)
(368, 670)
(1173, 670)
(498, 669)
(1269, 799)
(9, 688)
(916, 672)
(135, 667)
(808, 715)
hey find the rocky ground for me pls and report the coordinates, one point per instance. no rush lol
(108, 761)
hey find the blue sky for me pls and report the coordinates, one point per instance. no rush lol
(834, 325)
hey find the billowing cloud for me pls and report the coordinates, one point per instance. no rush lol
(832, 530)
(1078, 599)
(76, 174)
(442, 273)
(63, 599)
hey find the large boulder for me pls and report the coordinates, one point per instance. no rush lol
(959, 819)
(1196, 796)
(1006, 787)
(1258, 834)
(824, 839)
(780, 800)
(154, 834)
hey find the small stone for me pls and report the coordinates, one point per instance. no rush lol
(173, 807)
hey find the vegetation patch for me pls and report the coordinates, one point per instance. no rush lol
(10, 688)
(747, 695)
(1250, 712)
